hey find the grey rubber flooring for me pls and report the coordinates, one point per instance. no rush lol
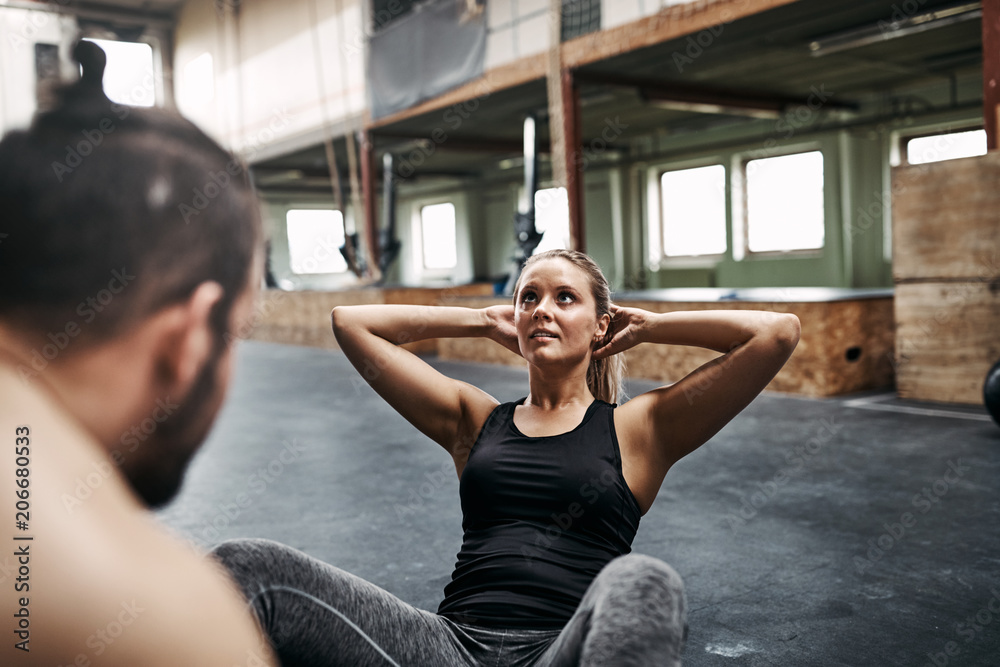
(855, 531)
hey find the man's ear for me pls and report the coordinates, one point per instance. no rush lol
(184, 338)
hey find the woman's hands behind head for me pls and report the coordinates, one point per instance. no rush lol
(625, 331)
(502, 328)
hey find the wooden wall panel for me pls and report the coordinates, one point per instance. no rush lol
(946, 220)
(948, 337)
(819, 367)
(946, 263)
(303, 318)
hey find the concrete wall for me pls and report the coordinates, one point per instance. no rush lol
(275, 84)
(271, 78)
(519, 28)
(20, 30)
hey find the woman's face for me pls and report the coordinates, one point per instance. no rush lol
(555, 313)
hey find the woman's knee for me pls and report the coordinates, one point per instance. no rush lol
(641, 571)
(244, 550)
(255, 561)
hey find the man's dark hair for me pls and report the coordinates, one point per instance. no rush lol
(108, 213)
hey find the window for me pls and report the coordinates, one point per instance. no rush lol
(552, 218)
(128, 76)
(948, 146)
(314, 240)
(784, 203)
(198, 88)
(385, 12)
(438, 242)
(693, 205)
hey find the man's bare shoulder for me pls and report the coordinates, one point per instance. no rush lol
(142, 599)
(98, 581)
(149, 599)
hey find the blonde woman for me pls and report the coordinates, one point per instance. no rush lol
(552, 486)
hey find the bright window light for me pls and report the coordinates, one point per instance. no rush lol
(552, 219)
(949, 146)
(437, 236)
(198, 84)
(314, 240)
(694, 211)
(785, 203)
(129, 77)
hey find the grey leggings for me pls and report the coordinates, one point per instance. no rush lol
(315, 614)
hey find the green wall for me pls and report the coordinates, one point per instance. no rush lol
(856, 168)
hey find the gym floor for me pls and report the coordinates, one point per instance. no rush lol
(862, 530)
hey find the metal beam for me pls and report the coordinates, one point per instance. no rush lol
(991, 70)
(707, 96)
(458, 144)
(574, 162)
(368, 190)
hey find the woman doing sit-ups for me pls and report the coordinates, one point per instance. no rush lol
(564, 462)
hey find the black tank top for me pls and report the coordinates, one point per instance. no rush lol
(541, 517)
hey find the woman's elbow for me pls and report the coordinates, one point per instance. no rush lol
(340, 317)
(787, 330)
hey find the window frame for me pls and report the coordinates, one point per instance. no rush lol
(712, 257)
(742, 213)
(542, 186)
(417, 238)
(162, 93)
(318, 207)
(654, 189)
(903, 138)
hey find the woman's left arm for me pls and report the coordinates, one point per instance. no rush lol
(665, 424)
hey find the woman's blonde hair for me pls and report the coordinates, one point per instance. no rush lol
(604, 376)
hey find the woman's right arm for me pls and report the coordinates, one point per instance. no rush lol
(448, 411)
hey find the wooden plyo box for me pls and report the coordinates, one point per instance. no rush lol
(946, 266)
(846, 344)
(303, 318)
